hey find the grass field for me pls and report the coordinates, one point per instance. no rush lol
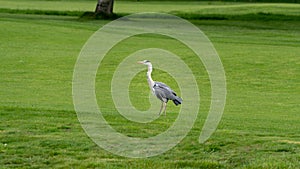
(260, 126)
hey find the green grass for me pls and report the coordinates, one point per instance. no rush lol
(202, 8)
(260, 126)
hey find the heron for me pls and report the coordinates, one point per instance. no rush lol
(162, 91)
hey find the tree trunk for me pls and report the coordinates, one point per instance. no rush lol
(105, 7)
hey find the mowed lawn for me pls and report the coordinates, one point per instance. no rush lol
(260, 125)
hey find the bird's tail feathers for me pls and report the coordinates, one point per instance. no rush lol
(177, 101)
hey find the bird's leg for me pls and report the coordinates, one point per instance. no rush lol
(161, 107)
(165, 105)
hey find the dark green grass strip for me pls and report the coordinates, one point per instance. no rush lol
(41, 12)
(251, 16)
(186, 15)
(273, 1)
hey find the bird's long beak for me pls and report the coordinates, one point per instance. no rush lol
(140, 62)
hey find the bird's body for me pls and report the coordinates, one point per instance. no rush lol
(162, 91)
(165, 93)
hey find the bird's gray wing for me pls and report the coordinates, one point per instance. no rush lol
(164, 87)
(163, 92)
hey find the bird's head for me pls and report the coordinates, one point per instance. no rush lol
(145, 62)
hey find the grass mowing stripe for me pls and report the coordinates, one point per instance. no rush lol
(264, 16)
(250, 16)
(190, 10)
(41, 12)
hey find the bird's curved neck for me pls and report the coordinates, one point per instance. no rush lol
(149, 78)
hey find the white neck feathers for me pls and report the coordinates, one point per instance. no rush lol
(149, 78)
